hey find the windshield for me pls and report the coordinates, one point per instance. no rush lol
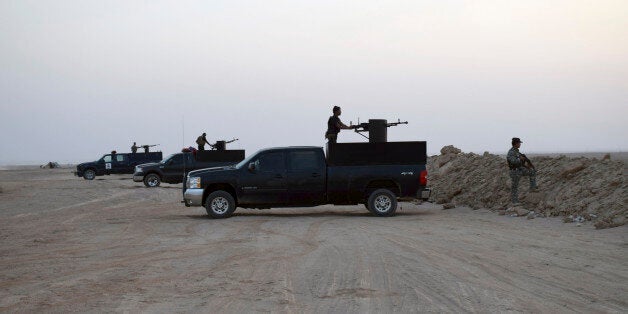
(105, 158)
(246, 161)
(165, 160)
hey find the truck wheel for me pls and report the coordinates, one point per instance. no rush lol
(382, 202)
(220, 204)
(89, 174)
(152, 180)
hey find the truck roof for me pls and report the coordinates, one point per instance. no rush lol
(290, 147)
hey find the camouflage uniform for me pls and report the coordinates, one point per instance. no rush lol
(517, 170)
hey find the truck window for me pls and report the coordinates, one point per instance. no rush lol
(165, 160)
(304, 161)
(270, 162)
(120, 158)
(106, 158)
(177, 159)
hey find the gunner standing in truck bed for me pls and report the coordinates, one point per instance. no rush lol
(334, 125)
(201, 141)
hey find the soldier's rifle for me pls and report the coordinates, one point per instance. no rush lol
(527, 162)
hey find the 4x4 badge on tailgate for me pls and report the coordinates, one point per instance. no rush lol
(410, 173)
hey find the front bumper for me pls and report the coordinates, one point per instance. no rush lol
(193, 197)
(78, 173)
(137, 177)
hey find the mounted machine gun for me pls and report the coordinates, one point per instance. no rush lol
(377, 129)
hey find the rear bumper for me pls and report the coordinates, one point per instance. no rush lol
(424, 194)
(193, 197)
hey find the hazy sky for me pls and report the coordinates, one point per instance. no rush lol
(82, 78)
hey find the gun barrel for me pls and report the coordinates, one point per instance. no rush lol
(396, 123)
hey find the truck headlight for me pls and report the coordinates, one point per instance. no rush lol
(194, 183)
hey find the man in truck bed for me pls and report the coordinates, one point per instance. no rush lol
(334, 125)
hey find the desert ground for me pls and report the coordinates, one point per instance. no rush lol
(112, 245)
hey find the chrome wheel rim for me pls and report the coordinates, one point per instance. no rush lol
(220, 205)
(89, 174)
(382, 203)
(152, 181)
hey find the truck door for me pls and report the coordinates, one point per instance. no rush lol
(120, 164)
(306, 177)
(266, 184)
(173, 169)
(106, 164)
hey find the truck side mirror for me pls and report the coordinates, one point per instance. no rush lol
(252, 167)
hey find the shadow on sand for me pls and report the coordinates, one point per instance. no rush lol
(283, 214)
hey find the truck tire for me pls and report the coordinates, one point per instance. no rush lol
(220, 204)
(89, 174)
(152, 180)
(382, 203)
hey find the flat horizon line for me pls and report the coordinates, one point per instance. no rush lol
(33, 163)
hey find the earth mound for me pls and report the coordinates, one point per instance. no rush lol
(576, 188)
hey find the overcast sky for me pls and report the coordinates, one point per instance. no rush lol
(81, 78)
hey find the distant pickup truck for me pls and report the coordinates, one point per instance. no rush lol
(115, 163)
(173, 169)
(374, 174)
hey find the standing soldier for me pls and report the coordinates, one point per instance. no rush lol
(134, 148)
(201, 141)
(334, 125)
(519, 166)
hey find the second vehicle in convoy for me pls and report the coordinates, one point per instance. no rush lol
(174, 167)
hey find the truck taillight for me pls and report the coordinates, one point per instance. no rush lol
(423, 178)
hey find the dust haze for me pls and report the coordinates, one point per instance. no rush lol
(79, 79)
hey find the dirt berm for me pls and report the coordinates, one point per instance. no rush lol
(594, 189)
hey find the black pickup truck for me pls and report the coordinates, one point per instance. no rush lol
(374, 174)
(173, 169)
(115, 163)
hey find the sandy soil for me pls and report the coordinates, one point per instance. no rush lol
(113, 245)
